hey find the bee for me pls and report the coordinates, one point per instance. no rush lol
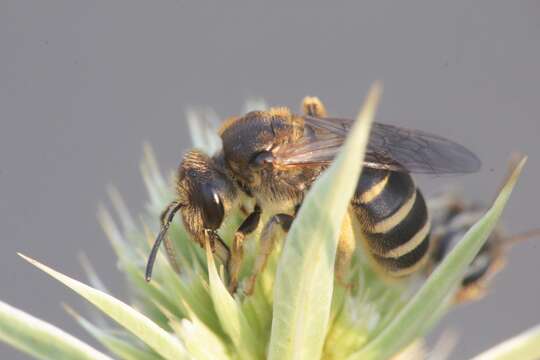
(273, 157)
(452, 217)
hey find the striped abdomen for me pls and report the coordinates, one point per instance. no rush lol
(393, 219)
(450, 232)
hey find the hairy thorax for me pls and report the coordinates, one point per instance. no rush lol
(249, 144)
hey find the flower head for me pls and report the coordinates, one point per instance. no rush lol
(296, 311)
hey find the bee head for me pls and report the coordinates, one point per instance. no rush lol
(204, 196)
(206, 193)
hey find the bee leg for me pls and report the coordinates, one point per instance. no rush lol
(169, 246)
(266, 245)
(313, 106)
(345, 251)
(237, 252)
(219, 248)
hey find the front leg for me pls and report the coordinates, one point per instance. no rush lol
(237, 252)
(266, 245)
(218, 247)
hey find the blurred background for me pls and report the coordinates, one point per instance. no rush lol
(84, 83)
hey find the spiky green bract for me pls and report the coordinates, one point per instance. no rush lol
(525, 346)
(41, 339)
(412, 320)
(114, 340)
(305, 275)
(145, 329)
(190, 314)
(247, 345)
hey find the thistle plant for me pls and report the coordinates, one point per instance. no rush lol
(297, 309)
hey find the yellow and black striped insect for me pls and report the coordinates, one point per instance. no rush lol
(271, 158)
(452, 217)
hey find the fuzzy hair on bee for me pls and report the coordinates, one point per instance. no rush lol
(273, 157)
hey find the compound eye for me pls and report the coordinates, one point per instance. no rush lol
(212, 207)
(261, 158)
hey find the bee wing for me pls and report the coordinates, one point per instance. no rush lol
(390, 147)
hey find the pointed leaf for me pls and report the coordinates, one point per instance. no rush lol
(145, 329)
(41, 339)
(232, 320)
(525, 346)
(202, 343)
(305, 275)
(113, 341)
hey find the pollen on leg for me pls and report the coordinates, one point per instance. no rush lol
(313, 106)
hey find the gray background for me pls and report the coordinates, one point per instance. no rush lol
(84, 83)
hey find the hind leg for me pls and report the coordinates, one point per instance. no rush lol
(345, 251)
(313, 106)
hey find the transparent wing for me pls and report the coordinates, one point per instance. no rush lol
(390, 147)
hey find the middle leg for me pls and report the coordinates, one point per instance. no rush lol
(282, 223)
(270, 233)
(237, 252)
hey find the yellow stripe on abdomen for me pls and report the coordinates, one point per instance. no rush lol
(394, 220)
